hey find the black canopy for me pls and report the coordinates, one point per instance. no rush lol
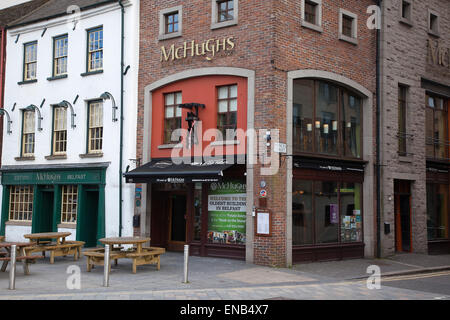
(166, 171)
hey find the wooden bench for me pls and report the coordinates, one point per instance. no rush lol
(25, 259)
(57, 250)
(96, 257)
(149, 255)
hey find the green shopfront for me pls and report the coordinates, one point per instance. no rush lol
(54, 198)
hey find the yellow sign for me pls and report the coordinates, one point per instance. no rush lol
(207, 49)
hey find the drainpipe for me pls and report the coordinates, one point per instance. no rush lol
(121, 114)
(378, 125)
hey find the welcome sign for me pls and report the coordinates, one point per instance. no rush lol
(227, 207)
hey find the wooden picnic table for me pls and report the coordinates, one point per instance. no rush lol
(2, 238)
(21, 255)
(58, 249)
(139, 254)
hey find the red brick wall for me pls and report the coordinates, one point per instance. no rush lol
(270, 41)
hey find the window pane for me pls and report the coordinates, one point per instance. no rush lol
(302, 222)
(223, 106)
(233, 92)
(437, 211)
(169, 112)
(233, 105)
(326, 116)
(440, 134)
(351, 215)
(351, 125)
(303, 115)
(223, 92)
(327, 211)
(169, 99)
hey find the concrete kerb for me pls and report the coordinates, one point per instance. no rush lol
(407, 272)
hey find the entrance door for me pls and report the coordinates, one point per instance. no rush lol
(44, 211)
(177, 221)
(89, 227)
(402, 194)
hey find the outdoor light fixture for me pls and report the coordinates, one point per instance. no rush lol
(66, 104)
(4, 112)
(32, 107)
(108, 96)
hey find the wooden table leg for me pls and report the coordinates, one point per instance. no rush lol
(5, 263)
(26, 269)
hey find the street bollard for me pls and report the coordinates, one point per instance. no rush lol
(186, 261)
(12, 270)
(106, 267)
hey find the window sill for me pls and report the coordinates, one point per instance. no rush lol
(91, 155)
(64, 76)
(224, 24)
(408, 159)
(67, 225)
(311, 26)
(225, 143)
(351, 40)
(90, 73)
(18, 223)
(27, 158)
(56, 157)
(170, 146)
(434, 34)
(406, 22)
(167, 36)
(26, 82)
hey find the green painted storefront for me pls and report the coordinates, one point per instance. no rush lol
(47, 187)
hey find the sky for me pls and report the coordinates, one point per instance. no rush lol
(9, 3)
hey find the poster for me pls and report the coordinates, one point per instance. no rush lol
(263, 223)
(334, 213)
(227, 207)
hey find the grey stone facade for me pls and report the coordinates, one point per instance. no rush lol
(405, 60)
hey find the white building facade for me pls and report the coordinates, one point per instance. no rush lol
(71, 98)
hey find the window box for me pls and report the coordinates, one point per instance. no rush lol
(170, 23)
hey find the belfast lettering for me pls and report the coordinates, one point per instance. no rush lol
(208, 49)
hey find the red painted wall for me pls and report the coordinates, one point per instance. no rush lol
(198, 90)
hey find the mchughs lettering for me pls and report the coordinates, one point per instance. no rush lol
(208, 49)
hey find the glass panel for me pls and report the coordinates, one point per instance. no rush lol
(223, 92)
(233, 91)
(233, 105)
(223, 106)
(437, 211)
(169, 112)
(303, 115)
(351, 214)
(179, 99)
(302, 222)
(326, 115)
(351, 125)
(440, 134)
(429, 133)
(170, 99)
(197, 211)
(326, 211)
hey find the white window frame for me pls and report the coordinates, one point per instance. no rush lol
(408, 20)
(162, 23)
(318, 25)
(436, 32)
(354, 38)
(215, 24)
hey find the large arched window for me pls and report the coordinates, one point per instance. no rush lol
(326, 119)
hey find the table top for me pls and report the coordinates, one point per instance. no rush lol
(47, 235)
(18, 244)
(124, 240)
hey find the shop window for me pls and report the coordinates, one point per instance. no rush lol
(227, 111)
(227, 207)
(402, 109)
(28, 133)
(69, 204)
(170, 23)
(59, 130)
(60, 53)
(348, 26)
(312, 14)
(224, 13)
(326, 212)
(95, 49)
(438, 211)
(95, 127)
(436, 128)
(30, 61)
(21, 203)
(172, 115)
(318, 108)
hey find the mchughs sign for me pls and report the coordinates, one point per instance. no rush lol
(207, 49)
(438, 55)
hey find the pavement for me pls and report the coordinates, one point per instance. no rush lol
(221, 279)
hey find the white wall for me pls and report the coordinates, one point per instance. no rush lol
(90, 87)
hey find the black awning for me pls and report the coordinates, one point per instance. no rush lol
(166, 171)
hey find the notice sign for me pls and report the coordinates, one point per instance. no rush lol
(227, 207)
(263, 223)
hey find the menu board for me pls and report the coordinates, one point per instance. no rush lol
(263, 222)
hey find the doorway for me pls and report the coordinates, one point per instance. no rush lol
(402, 207)
(177, 214)
(88, 232)
(44, 210)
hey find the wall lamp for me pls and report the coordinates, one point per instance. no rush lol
(107, 96)
(66, 104)
(32, 107)
(4, 112)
